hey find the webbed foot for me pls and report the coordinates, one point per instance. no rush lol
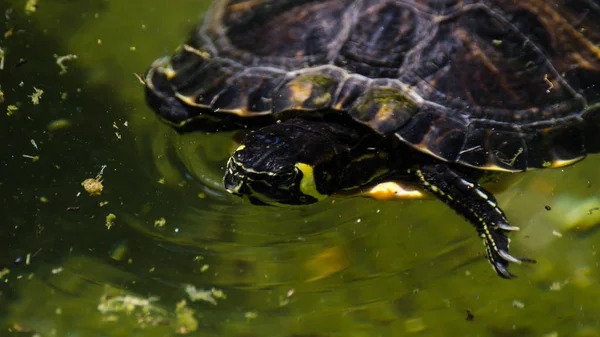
(478, 206)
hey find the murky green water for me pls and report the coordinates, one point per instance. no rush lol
(355, 267)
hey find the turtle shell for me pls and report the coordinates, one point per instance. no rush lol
(493, 84)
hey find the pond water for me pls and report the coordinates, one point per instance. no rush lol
(164, 251)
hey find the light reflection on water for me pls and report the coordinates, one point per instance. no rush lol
(355, 267)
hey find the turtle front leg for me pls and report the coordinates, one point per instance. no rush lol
(478, 206)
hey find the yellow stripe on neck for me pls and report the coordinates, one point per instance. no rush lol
(307, 184)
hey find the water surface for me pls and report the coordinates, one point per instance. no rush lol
(343, 267)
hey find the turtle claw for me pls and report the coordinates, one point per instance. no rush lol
(501, 270)
(509, 258)
(500, 259)
(501, 267)
(499, 256)
(527, 260)
(507, 227)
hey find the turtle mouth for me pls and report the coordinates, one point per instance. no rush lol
(261, 188)
(235, 180)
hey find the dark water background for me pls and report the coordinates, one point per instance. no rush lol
(355, 267)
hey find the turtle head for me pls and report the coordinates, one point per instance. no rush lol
(291, 163)
(271, 177)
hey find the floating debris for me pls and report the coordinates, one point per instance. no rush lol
(33, 158)
(36, 96)
(145, 312)
(4, 272)
(160, 223)
(186, 322)
(57, 271)
(140, 78)
(60, 62)
(9, 33)
(110, 220)
(2, 59)
(557, 285)
(31, 6)
(11, 109)
(251, 315)
(283, 301)
(58, 124)
(209, 296)
(518, 304)
(34, 144)
(1, 96)
(93, 186)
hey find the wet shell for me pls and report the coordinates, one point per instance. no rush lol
(493, 84)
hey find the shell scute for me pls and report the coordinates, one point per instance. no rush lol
(384, 107)
(352, 88)
(436, 131)
(304, 91)
(247, 94)
(557, 146)
(379, 41)
(199, 86)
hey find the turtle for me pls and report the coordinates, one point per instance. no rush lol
(337, 96)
